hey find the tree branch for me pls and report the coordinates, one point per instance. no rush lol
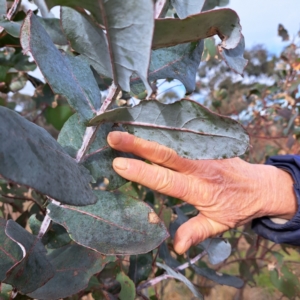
(24, 199)
(191, 261)
(111, 96)
(88, 139)
(42, 6)
(158, 279)
(44, 227)
(160, 8)
(12, 12)
(90, 132)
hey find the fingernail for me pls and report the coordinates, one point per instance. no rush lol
(114, 138)
(120, 163)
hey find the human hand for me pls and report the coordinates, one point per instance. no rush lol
(228, 192)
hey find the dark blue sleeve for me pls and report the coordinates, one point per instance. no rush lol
(289, 232)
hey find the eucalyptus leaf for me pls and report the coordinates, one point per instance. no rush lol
(17, 81)
(176, 275)
(34, 270)
(87, 38)
(211, 4)
(129, 38)
(181, 218)
(92, 6)
(245, 271)
(34, 224)
(222, 22)
(187, 7)
(140, 267)
(33, 158)
(219, 278)
(43, 95)
(98, 160)
(53, 28)
(55, 237)
(51, 25)
(234, 57)
(6, 291)
(84, 77)
(171, 63)
(10, 251)
(127, 287)
(58, 116)
(218, 249)
(285, 281)
(180, 125)
(116, 224)
(3, 8)
(164, 254)
(69, 76)
(74, 265)
(12, 28)
(20, 62)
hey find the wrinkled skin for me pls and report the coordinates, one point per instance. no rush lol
(228, 192)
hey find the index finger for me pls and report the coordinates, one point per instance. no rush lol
(151, 151)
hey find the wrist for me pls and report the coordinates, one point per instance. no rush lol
(280, 201)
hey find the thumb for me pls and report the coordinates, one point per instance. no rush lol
(196, 230)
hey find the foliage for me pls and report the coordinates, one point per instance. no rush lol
(91, 232)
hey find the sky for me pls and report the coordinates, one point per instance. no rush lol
(260, 19)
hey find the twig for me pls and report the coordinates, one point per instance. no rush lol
(12, 12)
(160, 8)
(44, 227)
(142, 296)
(47, 221)
(88, 139)
(153, 281)
(42, 6)
(24, 199)
(111, 96)
(191, 261)
(90, 132)
(95, 152)
(158, 279)
(16, 198)
(39, 114)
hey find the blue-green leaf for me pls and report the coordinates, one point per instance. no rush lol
(171, 63)
(34, 270)
(127, 287)
(74, 265)
(88, 39)
(218, 249)
(98, 160)
(180, 125)
(116, 224)
(140, 267)
(10, 251)
(219, 278)
(176, 275)
(187, 7)
(30, 156)
(68, 76)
